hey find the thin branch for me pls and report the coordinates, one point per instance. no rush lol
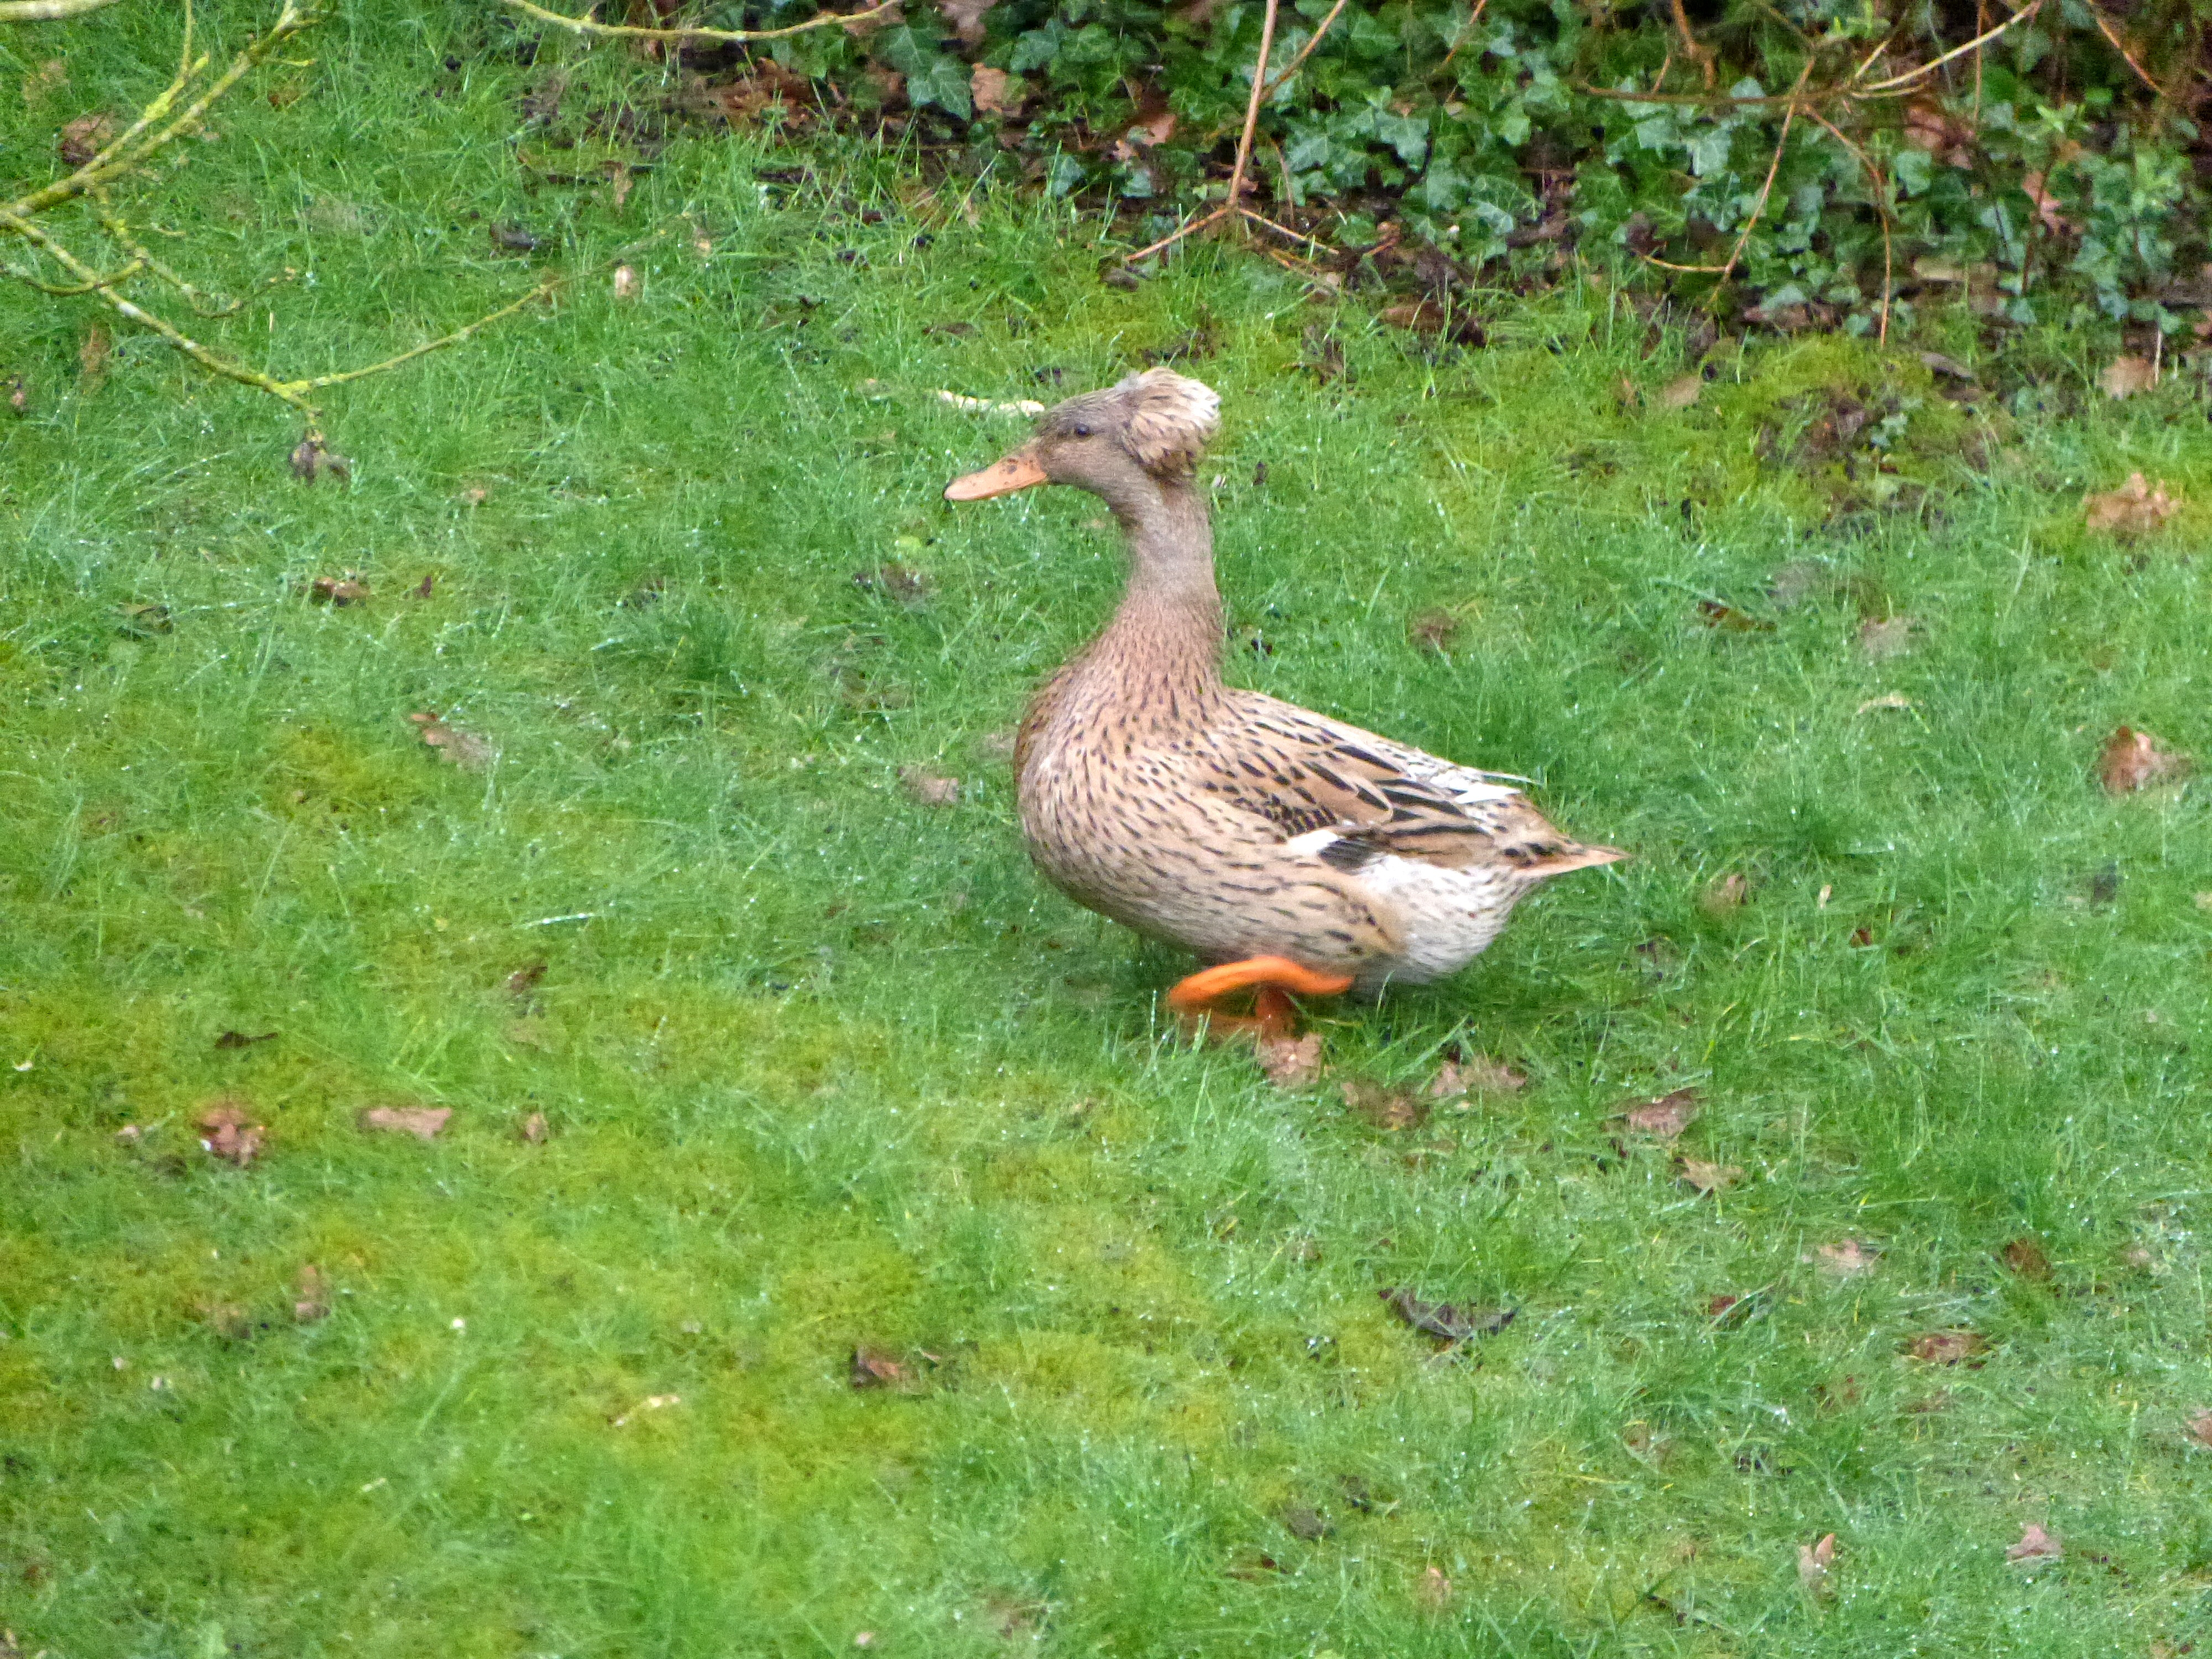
(319, 381)
(1899, 82)
(1881, 210)
(589, 24)
(1306, 50)
(1173, 237)
(1759, 208)
(1702, 56)
(141, 257)
(46, 11)
(1252, 109)
(72, 290)
(1466, 32)
(2120, 46)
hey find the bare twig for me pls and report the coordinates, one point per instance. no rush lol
(588, 24)
(1702, 56)
(46, 11)
(72, 290)
(1766, 190)
(1467, 34)
(1252, 109)
(1899, 83)
(1306, 50)
(2104, 29)
(1881, 210)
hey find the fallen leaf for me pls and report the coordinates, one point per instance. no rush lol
(455, 745)
(1847, 1258)
(874, 1369)
(512, 239)
(1715, 614)
(474, 496)
(144, 621)
(908, 587)
(967, 17)
(1886, 700)
(620, 182)
(92, 358)
(1680, 393)
(2046, 204)
(240, 1040)
(50, 76)
(1455, 1079)
(2026, 1257)
(1290, 1063)
(533, 1130)
(523, 981)
(1724, 894)
(337, 590)
(227, 1130)
(1944, 369)
(2123, 377)
(1793, 583)
(1434, 630)
(312, 1301)
(1433, 1590)
(2134, 509)
(227, 1320)
(18, 394)
(626, 282)
(1386, 1108)
(1625, 394)
(1948, 1347)
(1710, 1178)
(1306, 1522)
(1942, 134)
(2035, 1545)
(930, 788)
(995, 92)
(652, 1402)
(1814, 1561)
(1666, 1116)
(85, 137)
(2132, 760)
(1443, 1320)
(1430, 315)
(311, 460)
(2198, 1428)
(1890, 636)
(423, 1123)
(422, 588)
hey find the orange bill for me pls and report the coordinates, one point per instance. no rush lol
(1018, 472)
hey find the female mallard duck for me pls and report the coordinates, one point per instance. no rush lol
(1299, 853)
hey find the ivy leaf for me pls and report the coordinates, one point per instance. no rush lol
(931, 76)
(1709, 149)
(1407, 134)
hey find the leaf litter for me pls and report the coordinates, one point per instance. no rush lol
(1667, 1116)
(1949, 1347)
(2133, 760)
(2136, 508)
(2035, 1545)
(1813, 1565)
(1710, 1178)
(1445, 1321)
(423, 1123)
(1290, 1062)
(1847, 1258)
(456, 746)
(311, 1300)
(228, 1132)
(1479, 1074)
(1386, 1108)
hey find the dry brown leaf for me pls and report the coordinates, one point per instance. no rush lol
(1847, 1258)
(995, 92)
(1290, 1063)
(1457, 1078)
(524, 980)
(1886, 700)
(1682, 393)
(311, 1301)
(2132, 760)
(1814, 1561)
(533, 1130)
(1443, 1320)
(455, 745)
(1948, 1347)
(337, 590)
(1725, 894)
(2046, 204)
(874, 1369)
(2134, 509)
(626, 282)
(1434, 630)
(311, 460)
(1710, 1178)
(652, 1402)
(966, 17)
(1890, 636)
(1429, 315)
(18, 394)
(85, 137)
(620, 182)
(1667, 1116)
(2198, 1428)
(92, 358)
(50, 76)
(227, 1132)
(1386, 1108)
(233, 1040)
(2026, 1257)
(930, 788)
(1306, 1523)
(1433, 1590)
(227, 1320)
(423, 1123)
(895, 582)
(1943, 136)
(1729, 620)
(2123, 377)
(2035, 1545)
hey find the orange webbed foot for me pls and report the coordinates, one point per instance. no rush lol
(1273, 1015)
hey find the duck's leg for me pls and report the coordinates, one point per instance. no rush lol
(1274, 977)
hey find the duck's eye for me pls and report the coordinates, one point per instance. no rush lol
(1082, 431)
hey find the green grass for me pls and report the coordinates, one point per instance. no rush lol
(824, 1067)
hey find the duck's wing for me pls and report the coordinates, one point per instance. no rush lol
(1349, 796)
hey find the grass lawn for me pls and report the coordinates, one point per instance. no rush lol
(823, 1065)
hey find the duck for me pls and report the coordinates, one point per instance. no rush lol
(1295, 854)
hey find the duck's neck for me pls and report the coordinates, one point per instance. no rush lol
(1165, 639)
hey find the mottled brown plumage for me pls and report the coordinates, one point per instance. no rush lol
(1232, 822)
